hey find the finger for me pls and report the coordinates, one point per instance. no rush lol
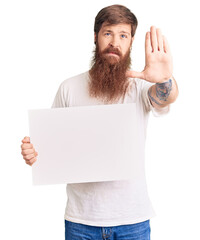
(148, 48)
(28, 151)
(31, 161)
(165, 45)
(26, 146)
(159, 39)
(134, 74)
(153, 37)
(26, 140)
(29, 156)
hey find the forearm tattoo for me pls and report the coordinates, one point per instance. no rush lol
(162, 92)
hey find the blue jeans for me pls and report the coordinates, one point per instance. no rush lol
(138, 231)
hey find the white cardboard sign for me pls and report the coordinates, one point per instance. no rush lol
(85, 144)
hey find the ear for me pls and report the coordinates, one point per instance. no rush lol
(132, 39)
(95, 38)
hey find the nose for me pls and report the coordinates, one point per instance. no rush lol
(114, 42)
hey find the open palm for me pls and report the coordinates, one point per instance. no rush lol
(158, 59)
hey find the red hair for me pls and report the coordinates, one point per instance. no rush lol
(115, 14)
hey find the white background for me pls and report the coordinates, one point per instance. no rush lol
(43, 42)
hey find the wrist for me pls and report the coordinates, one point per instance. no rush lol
(165, 81)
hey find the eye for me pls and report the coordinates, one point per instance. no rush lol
(107, 34)
(123, 36)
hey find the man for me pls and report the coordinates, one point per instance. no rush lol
(115, 209)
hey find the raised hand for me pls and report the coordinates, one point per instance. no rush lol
(158, 59)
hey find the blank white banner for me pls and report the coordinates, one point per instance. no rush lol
(85, 144)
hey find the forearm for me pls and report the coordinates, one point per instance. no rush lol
(162, 94)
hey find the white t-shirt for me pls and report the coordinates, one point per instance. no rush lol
(109, 203)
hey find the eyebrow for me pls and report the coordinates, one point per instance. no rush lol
(107, 30)
(125, 32)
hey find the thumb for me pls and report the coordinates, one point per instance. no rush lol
(26, 140)
(134, 74)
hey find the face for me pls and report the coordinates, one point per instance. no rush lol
(111, 60)
(114, 40)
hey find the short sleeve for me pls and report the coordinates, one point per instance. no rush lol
(59, 100)
(147, 104)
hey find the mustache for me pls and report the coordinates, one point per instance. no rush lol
(112, 50)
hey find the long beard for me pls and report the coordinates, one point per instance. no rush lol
(108, 81)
